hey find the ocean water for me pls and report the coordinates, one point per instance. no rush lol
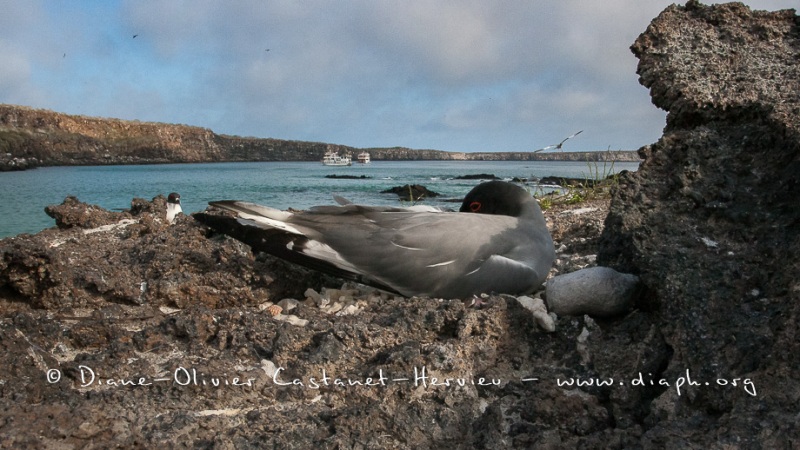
(278, 184)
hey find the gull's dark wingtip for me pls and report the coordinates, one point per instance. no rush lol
(278, 243)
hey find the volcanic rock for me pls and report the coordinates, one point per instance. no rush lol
(710, 223)
(347, 177)
(120, 330)
(411, 193)
(477, 176)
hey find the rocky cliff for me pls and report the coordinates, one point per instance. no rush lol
(119, 330)
(711, 223)
(34, 137)
(47, 138)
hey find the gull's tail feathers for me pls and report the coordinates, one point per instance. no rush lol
(261, 216)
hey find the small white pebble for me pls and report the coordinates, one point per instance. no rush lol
(349, 310)
(268, 367)
(292, 319)
(330, 308)
(167, 310)
(709, 243)
(539, 311)
(288, 304)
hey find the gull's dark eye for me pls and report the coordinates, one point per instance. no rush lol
(475, 206)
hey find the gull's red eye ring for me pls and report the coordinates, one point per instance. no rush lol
(475, 206)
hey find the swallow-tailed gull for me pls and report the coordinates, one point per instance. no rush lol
(559, 145)
(498, 242)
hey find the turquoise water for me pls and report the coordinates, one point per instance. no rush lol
(278, 184)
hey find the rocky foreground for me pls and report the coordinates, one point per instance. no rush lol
(97, 310)
(120, 330)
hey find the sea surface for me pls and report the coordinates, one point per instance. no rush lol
(281, 185)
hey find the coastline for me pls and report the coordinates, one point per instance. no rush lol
(32, 138)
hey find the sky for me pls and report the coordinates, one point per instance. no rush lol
(465, 76)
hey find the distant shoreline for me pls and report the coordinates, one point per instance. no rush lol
(32, 138)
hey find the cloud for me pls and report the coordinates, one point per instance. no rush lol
(473, 75)
(15, 71)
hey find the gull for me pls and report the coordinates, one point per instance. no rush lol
(558, 146)
(173, 206)
(498, 242)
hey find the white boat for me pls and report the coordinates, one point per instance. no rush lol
(363, 158)
(332, 158)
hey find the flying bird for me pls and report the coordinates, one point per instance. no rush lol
(559, 145)
(173, 206)
(134, 36)
(497, 242)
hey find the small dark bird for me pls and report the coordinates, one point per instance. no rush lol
(134, 36)
(497, 242)
(558, 146)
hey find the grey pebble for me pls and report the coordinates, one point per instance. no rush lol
(596, 291)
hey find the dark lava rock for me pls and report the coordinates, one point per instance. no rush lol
(580, 182)
(711, 224)
(348, 177)
(131, 258)
(10, 163)
(477, 176)
(73, 213)
(136, 333)
(567, 182)
(413, 192)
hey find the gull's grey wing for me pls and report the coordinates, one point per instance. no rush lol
(437, 254)
(292, 247)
